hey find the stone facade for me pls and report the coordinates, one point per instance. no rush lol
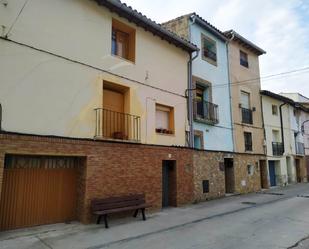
(109, 168)
(179, 26)
(246, 181)
(247, 175)
(206, 166)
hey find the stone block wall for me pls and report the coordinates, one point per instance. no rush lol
(208, 166)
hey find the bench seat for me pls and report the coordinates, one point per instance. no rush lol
(103, 207)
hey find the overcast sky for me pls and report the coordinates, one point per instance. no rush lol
(281, 27)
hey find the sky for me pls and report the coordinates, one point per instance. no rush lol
(280, 27)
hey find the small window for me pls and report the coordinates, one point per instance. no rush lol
(164, 119)
(123, 41)
(250, 170)
(198, 140)
(248, 141)
(205, 186)
(209, 50)
(244, 59)
(274, 110)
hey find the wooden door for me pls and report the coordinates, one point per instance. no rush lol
(113, 114)
(37, 191)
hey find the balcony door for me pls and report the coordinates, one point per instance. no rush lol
(203, 98)
(113, 114)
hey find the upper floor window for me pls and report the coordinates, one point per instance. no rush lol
(248, 141)
(246, 112)
(209, 50)
(274, 109)
(164, 119)
(123, 41)
(244, 59)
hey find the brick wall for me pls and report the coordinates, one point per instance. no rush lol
(110, 169)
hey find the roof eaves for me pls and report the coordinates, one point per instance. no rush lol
(141, 20)
(232, 34)
(209, 27)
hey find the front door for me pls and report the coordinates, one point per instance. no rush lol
(297, 165)
(168, 183)
(272, 173)
(229, 175)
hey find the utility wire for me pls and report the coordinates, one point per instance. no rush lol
(265, 78)
(21, 10)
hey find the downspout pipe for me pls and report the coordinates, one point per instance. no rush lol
(190, 89)
(190, 99)
(230, 90)
(281, 125)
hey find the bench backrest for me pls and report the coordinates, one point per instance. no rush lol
(117, 202)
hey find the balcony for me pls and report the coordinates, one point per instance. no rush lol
(246, 116)
(277, 149)
(300, 148)
(205, 112)
(117, 126)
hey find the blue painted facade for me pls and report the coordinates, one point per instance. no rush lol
(215, 136)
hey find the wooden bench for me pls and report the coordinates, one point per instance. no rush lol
(103, 207)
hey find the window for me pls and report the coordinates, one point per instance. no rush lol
(198, 140)
(274, 110)
(123, 41)
(250, 170)
(164, 119)
(245, 100)
(244, 59)
(246, 112)
(248, 141)
(209, 50)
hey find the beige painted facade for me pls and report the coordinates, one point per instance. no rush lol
(55, 91)
(239, 74)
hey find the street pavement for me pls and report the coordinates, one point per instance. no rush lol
(276, 218)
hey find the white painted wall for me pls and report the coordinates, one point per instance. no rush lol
(48, 95)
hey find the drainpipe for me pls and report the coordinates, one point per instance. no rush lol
(281, 124)
(190, 100)
(190, 89)
(230, 90)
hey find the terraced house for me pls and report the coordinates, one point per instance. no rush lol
(227, 116)
(83, 85)
(284, 139)
(250, 170)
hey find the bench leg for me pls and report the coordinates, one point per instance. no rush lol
(99, 219)
(143, 213)
(135, 213)
(105, 221)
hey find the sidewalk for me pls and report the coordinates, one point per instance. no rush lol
(93, 236)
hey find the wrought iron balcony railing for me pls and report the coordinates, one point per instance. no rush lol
(205, 111)
(246, 116)
(277, 149)
(117, 125)
(300, 149)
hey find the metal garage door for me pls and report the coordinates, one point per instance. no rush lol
(38, 190)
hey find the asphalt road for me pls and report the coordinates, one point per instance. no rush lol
(279, 223)
(277, 218)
